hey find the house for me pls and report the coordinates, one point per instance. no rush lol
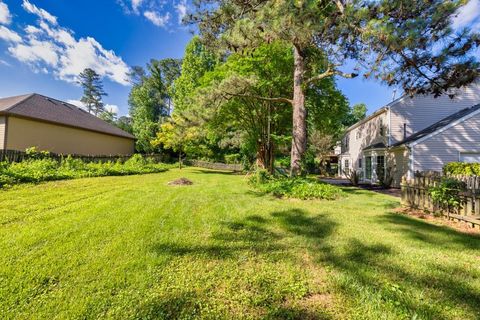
(410, 134)
(34, 120)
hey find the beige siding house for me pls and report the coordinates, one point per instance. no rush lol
(56, 126)
(411, 134)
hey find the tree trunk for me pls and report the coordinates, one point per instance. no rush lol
(180, 160)
(265, 155)
(299, 133)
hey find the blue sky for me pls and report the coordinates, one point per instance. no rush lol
(44, 44)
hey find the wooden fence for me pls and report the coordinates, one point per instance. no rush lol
(18, 156)
(415, 194)
(215, 165)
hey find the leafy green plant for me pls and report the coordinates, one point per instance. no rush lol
(42, 168)
(299, 188)
(461, 168)
(447, 194)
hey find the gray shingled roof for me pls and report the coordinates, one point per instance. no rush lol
(36, 106)
(438, 125)
(379, 145)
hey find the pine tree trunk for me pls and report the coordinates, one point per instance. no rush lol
(299, 133)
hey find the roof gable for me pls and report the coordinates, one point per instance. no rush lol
(36, 106)
(443, 124)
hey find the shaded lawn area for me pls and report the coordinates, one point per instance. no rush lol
(134, 248)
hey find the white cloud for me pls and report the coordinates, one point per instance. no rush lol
(32, 29)
(136, 5)
(42, 14)
(109, 107)
(181, 9)
(77, 103)
(468, 16)
(112, 108)
(48, 47)
(35, 51)
(157, 19)
(5, 16)
(9, 35)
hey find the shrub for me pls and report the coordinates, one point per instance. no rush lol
(232, 158)
(447, 193)
(461, 168)
(259, 176)
(300, 188)
(353, 176)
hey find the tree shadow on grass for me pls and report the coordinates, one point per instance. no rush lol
(420, 287)
(371, 272)
(440, 236)
(180, 305)
(262, 238)
(253, 234)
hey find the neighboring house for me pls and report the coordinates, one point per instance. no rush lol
(411, 134)
(37, 121)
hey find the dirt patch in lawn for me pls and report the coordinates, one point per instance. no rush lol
(180, 182)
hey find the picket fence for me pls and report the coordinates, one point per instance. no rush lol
(415, 194)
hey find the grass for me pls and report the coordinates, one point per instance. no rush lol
(134, 248)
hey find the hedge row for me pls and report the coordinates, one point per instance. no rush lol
(461, 168)
(47, 169)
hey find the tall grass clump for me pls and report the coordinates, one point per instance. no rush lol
(297, 187)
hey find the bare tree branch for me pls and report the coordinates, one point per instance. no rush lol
(328, 73)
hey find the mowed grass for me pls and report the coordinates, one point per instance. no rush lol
(134, 248)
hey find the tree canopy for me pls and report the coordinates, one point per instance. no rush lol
(407, 43)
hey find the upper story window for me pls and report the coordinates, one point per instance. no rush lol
(346, 142)
(382, 129)
(358, 135)
(404, 131)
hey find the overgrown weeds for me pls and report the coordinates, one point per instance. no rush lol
(39, 169)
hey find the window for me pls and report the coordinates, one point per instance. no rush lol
(358, 134)
(404, 131)
(347, 166)
(380, 167)
(368, 168)
(347, 142)
(360, 163)
(470, 157)
(382, 130)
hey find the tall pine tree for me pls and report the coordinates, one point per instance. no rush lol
(405, 43)
(92, 91)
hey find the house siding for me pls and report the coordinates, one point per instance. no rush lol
(369, 134)
(398, 162)
(2, 132)
(420, 112)
(24, 133)
(445, 147)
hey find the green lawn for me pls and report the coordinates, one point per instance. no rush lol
(133, 247)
